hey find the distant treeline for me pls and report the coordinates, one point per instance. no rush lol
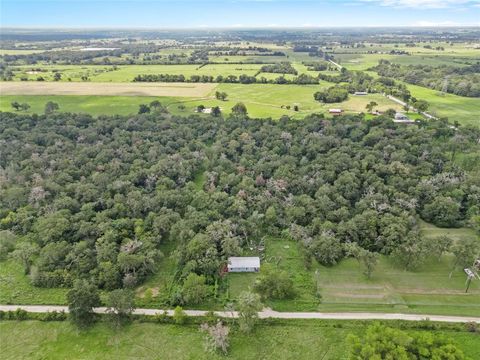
(463, 81)
(302, 79)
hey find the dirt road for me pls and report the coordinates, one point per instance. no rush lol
(267, 313)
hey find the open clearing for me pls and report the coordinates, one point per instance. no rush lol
(111, 89)
(280, 340)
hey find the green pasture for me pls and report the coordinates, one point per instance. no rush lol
(465, 110)
(95, 105)
(262, 101)
(16, 288)
(343, 287)
(35, 340)
(19, 51)
(126, 73)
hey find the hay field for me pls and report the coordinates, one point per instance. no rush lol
(110, 89)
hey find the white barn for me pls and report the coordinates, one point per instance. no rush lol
(243, 264)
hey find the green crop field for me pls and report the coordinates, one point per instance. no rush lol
(281, 340)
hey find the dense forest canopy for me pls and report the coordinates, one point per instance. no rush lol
(95, 198)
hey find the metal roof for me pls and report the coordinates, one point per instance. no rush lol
(244, 262)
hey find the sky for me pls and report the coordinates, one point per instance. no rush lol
(237, 13)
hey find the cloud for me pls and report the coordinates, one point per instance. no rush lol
(425, 4)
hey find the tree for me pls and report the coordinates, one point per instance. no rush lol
(216, 338)
(248, 307)
(465, 252)
(15, 105)
(332, 95)
(219, 95)
(51, 107)
(57, 76)
(179, 315)
(367, 258)
(216, 111)
(155, 104)
(274, 284)
(327, 249)
(412, 252)
(24, 106)
(382, 342)
(370, 106)
(24, 252)
(194, 289)
(440, 245)
(120, 305)
(421, 105)
(82, 298)
(442, 211)
(7, 243)
(143, 109)
(239, 110)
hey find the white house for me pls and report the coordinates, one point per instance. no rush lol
(335, 111)
(243, 264)
(401, 116)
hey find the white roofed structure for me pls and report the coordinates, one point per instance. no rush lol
(243, 264)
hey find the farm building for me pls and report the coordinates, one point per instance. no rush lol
(335, 111)
(243, 264)
(401, 118)
(361, 93)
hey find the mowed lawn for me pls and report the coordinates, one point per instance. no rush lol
(284, 340)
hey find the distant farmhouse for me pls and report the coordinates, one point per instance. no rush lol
(243, 264)
(335, 111)
(401, 118)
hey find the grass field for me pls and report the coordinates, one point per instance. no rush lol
(280, 341)
(126, 73)
(95, 105)
(106, 89)
(462, 109)
(16, 288)
(343, 287)
(262, 100)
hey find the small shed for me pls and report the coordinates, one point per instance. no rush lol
(401, 116)
(335, 111)
(243, 264)
(361, 93)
